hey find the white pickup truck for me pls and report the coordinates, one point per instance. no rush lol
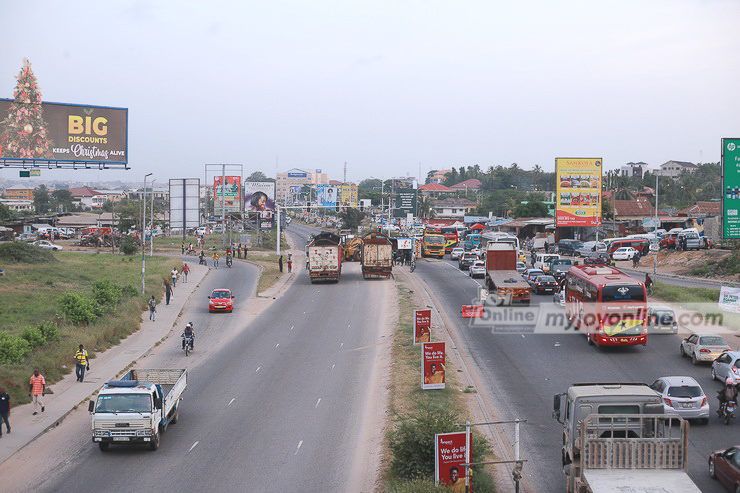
(137, 408)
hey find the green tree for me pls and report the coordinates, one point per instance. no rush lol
(425, 207)
(351, 218)
(6, 214)
(41, 200)
(259, 176)
(533, 208)
(62, 198)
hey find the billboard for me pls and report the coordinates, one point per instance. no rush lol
(259, 197)
(327, 195)
(230, 194)
(184, 203)
(730, 188)
(66, 132)
(348, 195)
(432, 365)
(450, 451)
(405, 202)
(578, 191)
(729, 299)
(422, 326)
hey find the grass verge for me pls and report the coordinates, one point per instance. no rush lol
(30, 292)
(417, 412)
(701, 300)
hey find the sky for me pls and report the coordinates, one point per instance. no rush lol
(389, 87)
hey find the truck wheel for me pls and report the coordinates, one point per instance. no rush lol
(103, 446)
(154, 444)
(176, 417)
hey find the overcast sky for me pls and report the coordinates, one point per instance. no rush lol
(387, 86)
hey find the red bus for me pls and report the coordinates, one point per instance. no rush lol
(450, 234)
(607, 305)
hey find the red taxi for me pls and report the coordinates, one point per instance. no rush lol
(221, 300)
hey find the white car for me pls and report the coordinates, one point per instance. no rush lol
(624, 253)
(46, 244)
(456, 252)
(478, 269)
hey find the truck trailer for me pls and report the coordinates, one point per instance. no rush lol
(138, 407)
(325, 254)
(505, 284)
(377, 256)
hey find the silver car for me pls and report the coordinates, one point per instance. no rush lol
(456, 252)
(683, 396)
(703, 347)
(521, 267)
(478, 269)
(47, 245)
(727, 365)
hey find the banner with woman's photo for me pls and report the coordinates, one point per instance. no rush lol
(259, 201)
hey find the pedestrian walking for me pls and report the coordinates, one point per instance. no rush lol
(280, 263)
(290, 264)
(167, 291)
(82, 363)
(174, 276)
(185, 272)
(36, 387)
(183, 248)
(4, 410)
(245, 251)
(152, 309)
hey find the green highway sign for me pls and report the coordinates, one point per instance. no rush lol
(730, 188)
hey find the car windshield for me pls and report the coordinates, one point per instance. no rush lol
(124, 403)
(712, 341)
(545, 279)
(685, 391)
(665, 318)
(220, 294)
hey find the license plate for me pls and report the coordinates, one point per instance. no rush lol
(688, 404)
(120, 439)
(624, 340)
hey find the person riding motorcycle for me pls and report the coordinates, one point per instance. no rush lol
(728, 393)
(228, 258)
(648, 281)
(188, 333)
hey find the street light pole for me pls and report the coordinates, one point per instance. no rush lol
(151, 225)
(143, 244)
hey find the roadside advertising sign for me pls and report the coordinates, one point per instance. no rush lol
(432, 365)
(66, 132)
(451, 450)
(184, 203)
(729, 299)
(327, 195)
(730, 188)
(405, 243)
(259, 202)
(405, 202)
(348, 195)
(422, 326)
(578, 191)
(230, 193)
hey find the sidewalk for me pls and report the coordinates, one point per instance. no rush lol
(68, 393)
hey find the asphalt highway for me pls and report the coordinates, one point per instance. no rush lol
(522, 371)
(282, 405)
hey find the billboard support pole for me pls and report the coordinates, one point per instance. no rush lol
(184, 216)
(277, 207)
(151, 227)
(223, 205)
(143, 244)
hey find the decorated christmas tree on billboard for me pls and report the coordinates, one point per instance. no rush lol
(23, 132)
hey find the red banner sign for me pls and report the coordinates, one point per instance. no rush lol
(422, 326)
(472, 311)
(432, 365)
(450, 450)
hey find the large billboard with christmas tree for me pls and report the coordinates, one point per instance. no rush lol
(33, 130)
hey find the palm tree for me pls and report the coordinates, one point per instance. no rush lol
(425, 209)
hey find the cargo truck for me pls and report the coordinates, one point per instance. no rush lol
(616, 438)
(325, 254)
(433, 244)
(138, 407)
(505, 284)
(377, 256)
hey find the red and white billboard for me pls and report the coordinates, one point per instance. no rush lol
(432, 365)
(230, 193)
(422, 326)
(451, 450)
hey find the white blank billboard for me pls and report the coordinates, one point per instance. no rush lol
(184, 203)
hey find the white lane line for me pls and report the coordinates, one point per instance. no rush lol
(194, 445)
(291, 327)
(298, 448)
(304, 313)
(317, 403)
(349, 325)
(258, 369)
(276, 345)
(523, 336)
(332, 366)
(341, 345)
(231, 401)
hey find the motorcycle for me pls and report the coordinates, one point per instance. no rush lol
(727, 412)
(188, 344)
(202, 260)
(228, 261)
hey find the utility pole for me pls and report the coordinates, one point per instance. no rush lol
(151, 226)
(143, 244)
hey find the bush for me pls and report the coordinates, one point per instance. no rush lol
(77, 308)
(21, 252)
(129, 291)
(129, 245)
(12, 348)
(34, 336)
(107, 293)
(50, 331)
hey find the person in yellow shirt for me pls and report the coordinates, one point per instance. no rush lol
(81, 358)
(423, 335)
(434, 376)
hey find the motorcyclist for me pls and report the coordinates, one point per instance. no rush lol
(648, 281)
(188, 333)
(728, 393)
(228, 258)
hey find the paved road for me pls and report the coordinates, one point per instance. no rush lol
(282, 407)
(523, 372)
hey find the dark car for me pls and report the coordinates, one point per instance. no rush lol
(597, 259)
(724, 466)
(569, 247)
(466, 260)
(544, 284)
(559, 267)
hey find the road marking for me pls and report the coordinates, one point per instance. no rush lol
(317, 403)
(332, 366)
(231, 401)
(194, 445)
(276, 345)
(258, 369)
(523, 336)
(299, 447)
(291, 327)
(341, 345)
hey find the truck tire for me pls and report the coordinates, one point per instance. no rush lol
(154, 444)
(176, 417)
(103, 446)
